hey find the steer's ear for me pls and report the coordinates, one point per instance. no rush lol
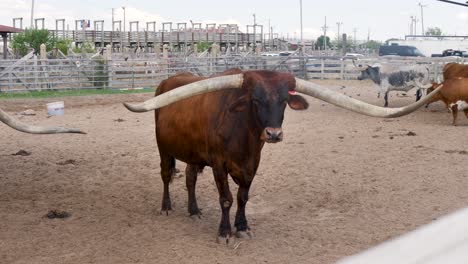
(297, 102)
(240, 104)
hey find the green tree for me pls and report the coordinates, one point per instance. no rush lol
(319, 44)
(202, 46)
(33, 38)
(373, 45)
(434, 31)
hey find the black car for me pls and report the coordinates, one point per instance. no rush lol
(399, 50)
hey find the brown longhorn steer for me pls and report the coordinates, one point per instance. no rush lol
(451, 70)
(455, 70)
(454, 94)
(224, 121)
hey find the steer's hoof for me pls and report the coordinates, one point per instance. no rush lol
(165, 212)
(226, 240)
(247, 234)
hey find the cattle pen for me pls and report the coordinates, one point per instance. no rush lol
(110, 70)
(339, 183)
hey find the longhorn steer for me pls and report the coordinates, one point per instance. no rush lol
(455, 70)
(396, 78)
(16, 124)
(224, 121)
(451, 70)
(454, 94)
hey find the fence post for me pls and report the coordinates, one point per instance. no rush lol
(42, 65)
(342, 70)
(109, 65)
(322, 68)
(166, 60)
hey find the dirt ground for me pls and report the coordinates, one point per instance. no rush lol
(339, 183)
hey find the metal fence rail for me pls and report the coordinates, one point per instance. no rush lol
(33, 74)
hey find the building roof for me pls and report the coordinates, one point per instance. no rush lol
(7, 29)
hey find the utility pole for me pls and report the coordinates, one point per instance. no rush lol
(338, 24)
(415, 25)
(255, 33)
(354, 31)
(123, 7)
(325, 34)
(32, 14)
(422, 18)
(112, 19)
(269, 34)
(411, 26)
(302, 39)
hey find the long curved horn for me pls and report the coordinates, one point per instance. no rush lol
(361, 68)
(346, 102)
(422, 86)
(20, 126)
(195, 88)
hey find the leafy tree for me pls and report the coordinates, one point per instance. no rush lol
(434, 31)
(319, 44)
(373, 45)
(86, 47)
(202, 46)
(33, 38)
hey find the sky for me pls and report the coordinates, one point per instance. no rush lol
(380, 20)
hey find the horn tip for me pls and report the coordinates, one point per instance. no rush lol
(131, 107)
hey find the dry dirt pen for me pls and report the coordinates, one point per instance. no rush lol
(338, 183)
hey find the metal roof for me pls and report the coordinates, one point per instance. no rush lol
(7, 29)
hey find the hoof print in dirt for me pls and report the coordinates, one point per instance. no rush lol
(67, 162)
(52, 214)
(22, 153)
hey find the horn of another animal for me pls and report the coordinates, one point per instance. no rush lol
(422, 86)
(188, 90)
(361, 68)
(360, 107)
(20, 126)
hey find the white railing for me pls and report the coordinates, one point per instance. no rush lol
(148, 70)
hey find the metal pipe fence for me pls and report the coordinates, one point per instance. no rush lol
(147, 71)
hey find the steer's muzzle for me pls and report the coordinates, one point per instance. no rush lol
(272, 135)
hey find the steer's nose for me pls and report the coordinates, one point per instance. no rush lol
(273, 135)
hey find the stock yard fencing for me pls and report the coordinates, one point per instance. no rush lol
(132, 72)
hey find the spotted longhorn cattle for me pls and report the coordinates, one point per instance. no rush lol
(396, 78)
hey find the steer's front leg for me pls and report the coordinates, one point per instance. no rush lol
(225, 201)
(242, 227)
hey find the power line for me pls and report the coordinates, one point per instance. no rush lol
(452, 2)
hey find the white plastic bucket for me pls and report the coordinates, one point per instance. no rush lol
(55, 108)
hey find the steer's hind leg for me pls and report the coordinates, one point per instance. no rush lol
(167, 171)
(191, 173)
(466, 112)
(386, 99)
(418, 95)
(454, 113)
(225, 201)
(242, 228)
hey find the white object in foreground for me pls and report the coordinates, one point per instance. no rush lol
(444, 241)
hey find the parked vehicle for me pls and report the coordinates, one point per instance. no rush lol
(451, 52)
(399, 50)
